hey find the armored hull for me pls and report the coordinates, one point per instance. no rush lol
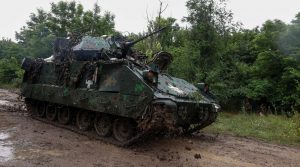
(120, 98)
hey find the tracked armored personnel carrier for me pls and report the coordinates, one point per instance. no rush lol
(103, 88)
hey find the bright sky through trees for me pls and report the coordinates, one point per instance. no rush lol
(131, 15)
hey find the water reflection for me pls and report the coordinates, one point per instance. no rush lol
(6, 150)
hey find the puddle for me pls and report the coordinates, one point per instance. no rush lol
(6, 149)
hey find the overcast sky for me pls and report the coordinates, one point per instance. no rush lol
(131, 14)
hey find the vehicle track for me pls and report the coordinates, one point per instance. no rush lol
(35, 143)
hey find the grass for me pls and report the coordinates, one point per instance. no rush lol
(276, 129)
(9, 86)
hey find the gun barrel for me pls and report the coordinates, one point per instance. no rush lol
(130, 44)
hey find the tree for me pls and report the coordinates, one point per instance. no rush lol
(289, 41)
(36, 38)
(211, 25)
(63, 20)
(69, 17)
(10, 57)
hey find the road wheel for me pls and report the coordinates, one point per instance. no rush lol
(30, 107)
(51, 112)
(64, 115)
(83, 120)
(103, 125)
(186, 128)
(40, 109)
(123, 129)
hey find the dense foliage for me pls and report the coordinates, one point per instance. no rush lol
(260, 66)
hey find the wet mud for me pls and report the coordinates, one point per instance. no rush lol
(27, 142)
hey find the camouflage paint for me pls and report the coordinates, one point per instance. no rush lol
(118, 86)
(108, 98)
(139, 88)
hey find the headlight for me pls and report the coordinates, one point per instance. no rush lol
(217, 107)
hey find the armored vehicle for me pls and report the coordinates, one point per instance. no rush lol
(100, 86)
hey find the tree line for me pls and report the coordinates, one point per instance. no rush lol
(254, 69)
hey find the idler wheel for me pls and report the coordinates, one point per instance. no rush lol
(83, 120)
(123, 129)
(103, 125)
(30, 107)
(186, 128)
(64, 115)
(51, 112)
(40, 109)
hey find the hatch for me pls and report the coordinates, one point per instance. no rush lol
(162, 60)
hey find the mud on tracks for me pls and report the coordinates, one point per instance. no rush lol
(27, 142)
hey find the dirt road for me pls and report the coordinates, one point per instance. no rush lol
(27, 142)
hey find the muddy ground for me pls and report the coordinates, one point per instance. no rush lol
(27, 142)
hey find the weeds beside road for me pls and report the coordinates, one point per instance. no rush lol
(273, 128)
